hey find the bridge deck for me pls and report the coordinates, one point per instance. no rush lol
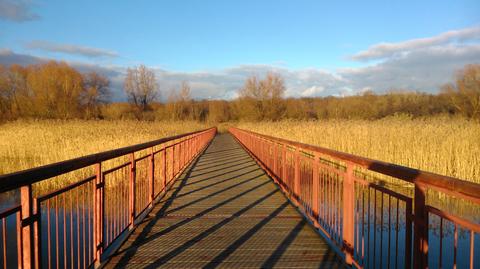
(225, 212)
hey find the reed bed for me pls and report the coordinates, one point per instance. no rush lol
(27, 144)
(443, 145)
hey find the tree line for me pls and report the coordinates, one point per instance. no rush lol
(51, 90)
(57, 90)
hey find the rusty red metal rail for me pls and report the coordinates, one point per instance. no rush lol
(76, 225)
(332, 189)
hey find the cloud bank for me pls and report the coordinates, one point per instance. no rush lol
(17, 11)
(70, 49)
(386, 50)
(418, 64)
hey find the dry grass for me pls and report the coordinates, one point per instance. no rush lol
(27, 144)
(447, 146)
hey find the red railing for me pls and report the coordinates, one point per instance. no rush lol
(78, 225)
(371, 221)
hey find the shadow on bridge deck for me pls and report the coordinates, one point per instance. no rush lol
(225, 212)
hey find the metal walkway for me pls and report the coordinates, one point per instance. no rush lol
(224, 212)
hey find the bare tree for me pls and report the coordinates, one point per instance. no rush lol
(465, 93)
(141, 86)
(96, 92)
(263, 99)
(251, 89)
(272, 87)
(179, 104)
(185, 92)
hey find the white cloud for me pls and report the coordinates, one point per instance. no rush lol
(70, 49)
(422, 70)
(17, 11)
(312, 91)
(386, 50)
(224, 83)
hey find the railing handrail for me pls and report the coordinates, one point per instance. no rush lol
(411, 175)
(26, 177)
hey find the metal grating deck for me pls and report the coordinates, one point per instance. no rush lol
(224, 212)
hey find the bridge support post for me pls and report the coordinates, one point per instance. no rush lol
(98, 214)
(420, 234)
(131, 196)
(296, 184)
(315, 189)
(165, 168)
(275, 161)
(284, 167)
(173, 162)
(182, 149)
(29, 229)
(348, 214)
(151, 178)
(180, 157)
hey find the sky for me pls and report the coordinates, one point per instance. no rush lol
(320, 48)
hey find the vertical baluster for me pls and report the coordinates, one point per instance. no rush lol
(472, 245)
(4, 243)
(455, 245)
(381, 230)
(49, 251)
(441, 244)
(389, 228)
(77, 215)
(70, 205)
(396, 235)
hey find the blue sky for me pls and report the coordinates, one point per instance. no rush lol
(316, 45)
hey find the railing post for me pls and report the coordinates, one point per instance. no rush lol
(264, 153)
(26, 201)
(98, 214)
(173, 162)
(420, 224)
(180, 157)
(284, 165)
(348, 214)
(315, 186)
(195, 145)
(275, 156)
(190, 151)
(187, 150)
(269, 155)
(296, 184)
(184, 153)
(151, 178)
(165, 168)
(132, 190)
